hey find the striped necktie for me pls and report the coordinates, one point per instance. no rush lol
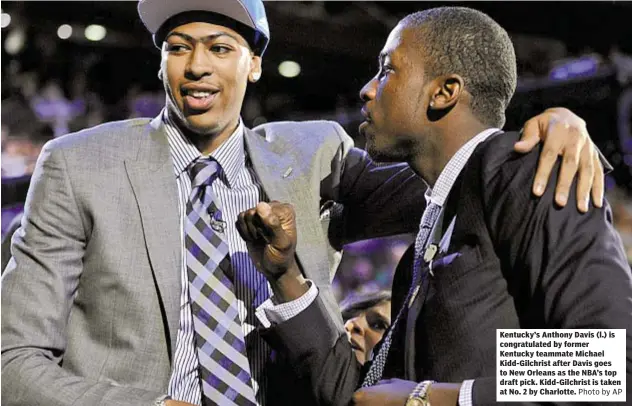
(425, 227)
(224, 369)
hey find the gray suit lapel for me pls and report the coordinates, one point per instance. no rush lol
(282, 179)
(154, 185)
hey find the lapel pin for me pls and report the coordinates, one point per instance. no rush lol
(430, 252)
(287, 172)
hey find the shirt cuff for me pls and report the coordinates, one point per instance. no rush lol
(270, 313)
(465, 393)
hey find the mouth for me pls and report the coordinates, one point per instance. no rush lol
(199, 98)
(367, 121)
(355, 345)
(366, 114)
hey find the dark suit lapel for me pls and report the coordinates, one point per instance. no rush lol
(282, 180)
(412, 317)
(154, 184)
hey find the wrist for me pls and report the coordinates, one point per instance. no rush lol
(290, 285)
(442, 393)
(420, 395)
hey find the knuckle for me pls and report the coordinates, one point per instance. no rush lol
(288, 207)
(563, 186)
(549, 153)
(588, 151)
(571, 159)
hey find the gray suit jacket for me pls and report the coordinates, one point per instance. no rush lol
(90, 299)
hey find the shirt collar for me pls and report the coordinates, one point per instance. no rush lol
(231, 155)
(439, 193)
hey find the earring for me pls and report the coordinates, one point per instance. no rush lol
(255, 76)
(160, 74)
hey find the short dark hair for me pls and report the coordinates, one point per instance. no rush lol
(463, 41)
(355, 304)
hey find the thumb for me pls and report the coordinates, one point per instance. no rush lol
(270, 227)
(529, 136)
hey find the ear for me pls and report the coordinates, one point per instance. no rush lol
(255, 69)
(447, 92)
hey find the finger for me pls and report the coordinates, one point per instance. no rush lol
(250, 225)
(585, 177)
(262, 220)
(572, 151)
(530, 136)
(270, 216)
(242, 228)
(286, 213)
(548, 157)
(598, 181)
(267, 215)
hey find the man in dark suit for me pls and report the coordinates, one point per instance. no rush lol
(487, 256)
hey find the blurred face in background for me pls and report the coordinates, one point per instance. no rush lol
(366, 328)
(205, 69)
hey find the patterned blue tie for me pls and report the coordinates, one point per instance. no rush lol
(428, 220)
(224, 369)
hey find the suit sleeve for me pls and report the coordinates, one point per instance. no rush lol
(377, 200)
(319, 354)
(38, 288)
(565, 269)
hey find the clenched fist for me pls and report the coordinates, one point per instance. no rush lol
(269, 230)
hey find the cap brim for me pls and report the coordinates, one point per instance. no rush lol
(154, 13)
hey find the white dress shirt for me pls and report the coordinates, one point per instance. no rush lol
(237, 189)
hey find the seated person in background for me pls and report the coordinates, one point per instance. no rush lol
(367, 317)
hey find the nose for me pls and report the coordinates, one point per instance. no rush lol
(200, 63)
(355, 326)
(368, 90)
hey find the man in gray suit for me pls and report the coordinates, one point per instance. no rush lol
(101, 300)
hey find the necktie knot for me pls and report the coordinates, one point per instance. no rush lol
(203, 172)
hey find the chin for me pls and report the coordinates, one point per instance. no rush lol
(201, 125)
(360, 356)
(379, 154)
(391, 152)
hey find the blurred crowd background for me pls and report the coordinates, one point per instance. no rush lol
(71, 65)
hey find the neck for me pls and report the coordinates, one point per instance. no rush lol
(444, 141)
(206, 143)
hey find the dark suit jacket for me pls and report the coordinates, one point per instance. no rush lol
(514, 261)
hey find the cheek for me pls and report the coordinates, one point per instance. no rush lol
(171, 76)
(371, 338)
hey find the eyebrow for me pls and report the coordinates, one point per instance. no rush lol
(380, 316)
(205, 38)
